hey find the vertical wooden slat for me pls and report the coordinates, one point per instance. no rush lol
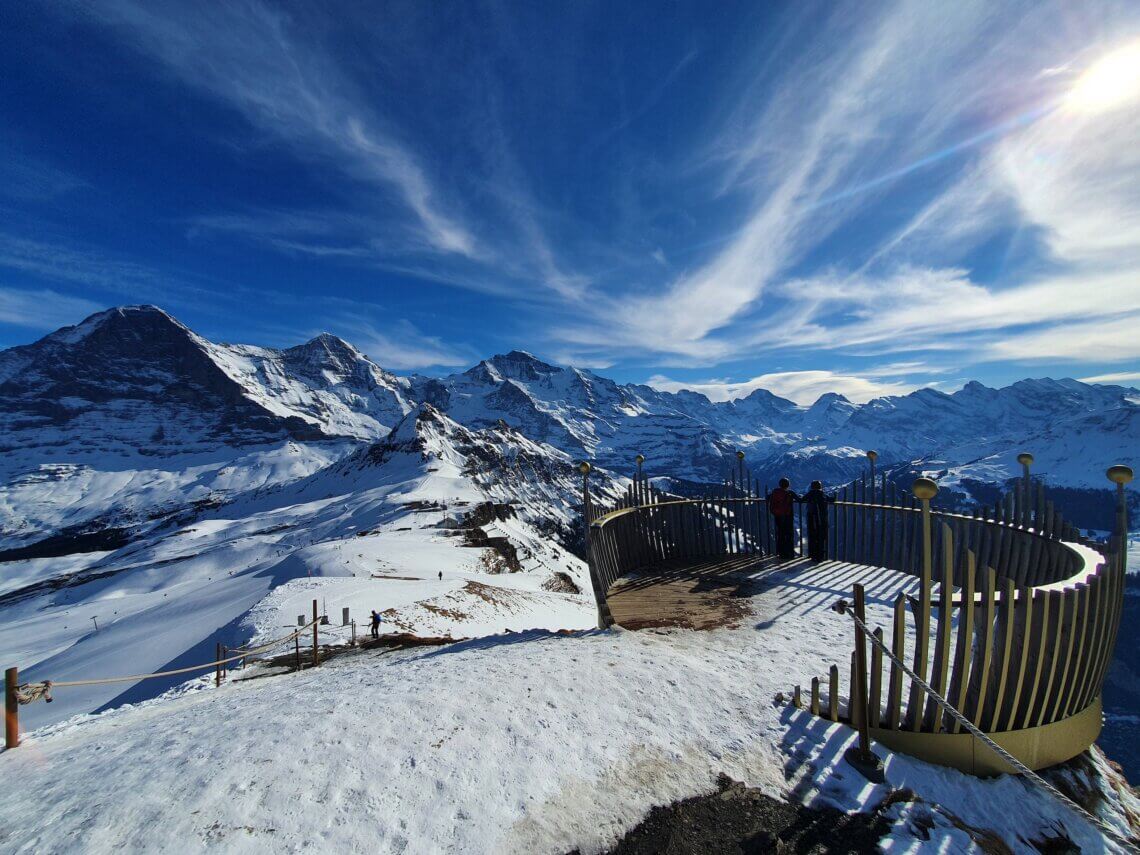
(898, 648)
(1056, 636)
(964, 652)
(1023, 625)
(1070, 610)
(915, 707)
(852, 692)
(940, 665)
(833, 693)
(1037, 647)
(875, 699)
(1095, 643)
(980, 673)
(1003, 646)
(815, 696)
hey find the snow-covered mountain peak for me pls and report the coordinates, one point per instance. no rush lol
(829, 398)
(121, 320)
(325, 348)
(520, 365)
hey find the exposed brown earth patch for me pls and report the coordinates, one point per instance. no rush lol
(703, 597)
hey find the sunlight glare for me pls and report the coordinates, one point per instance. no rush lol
(1110, 82)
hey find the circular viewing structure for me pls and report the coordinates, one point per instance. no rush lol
(1014, 620)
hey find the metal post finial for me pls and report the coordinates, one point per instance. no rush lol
(924, 489)
(1119, 474)
(584, 467)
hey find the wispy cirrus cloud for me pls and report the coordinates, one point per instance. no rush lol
(250, 56)
(803, 387)
(903, 91)
(42, 309)
(1114, 378)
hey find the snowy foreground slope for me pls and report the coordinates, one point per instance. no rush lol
(374, 530)
(530, 742)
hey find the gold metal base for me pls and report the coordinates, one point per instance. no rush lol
(1036, 747)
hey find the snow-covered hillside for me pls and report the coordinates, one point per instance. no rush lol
(491, 511)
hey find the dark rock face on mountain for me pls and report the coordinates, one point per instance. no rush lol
(131, 377)
(134, 379)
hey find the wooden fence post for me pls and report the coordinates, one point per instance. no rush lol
(859, 712)
(218, 663)
(861, 757)
(316, 654)
(297, 649)
(11, 708)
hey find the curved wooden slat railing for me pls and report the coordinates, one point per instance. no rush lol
(1014, 623)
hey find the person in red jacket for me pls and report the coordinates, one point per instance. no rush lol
(781, 505)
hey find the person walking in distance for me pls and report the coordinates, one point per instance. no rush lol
(817, 501)
(375, 624)
(781, 505)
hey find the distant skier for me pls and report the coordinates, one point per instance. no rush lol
(817, 501)
(781, 503)
(375, 624)
(441, 575)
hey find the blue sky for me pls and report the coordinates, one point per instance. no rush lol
(856, 197)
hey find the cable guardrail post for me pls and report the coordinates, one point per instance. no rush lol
(11, 709)
(861, 757)
(316, 623)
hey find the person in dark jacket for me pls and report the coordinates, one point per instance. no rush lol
(375, 624)
(816, 502)
(781, 505)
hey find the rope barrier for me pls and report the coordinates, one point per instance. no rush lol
(842, 608)
(34, 688)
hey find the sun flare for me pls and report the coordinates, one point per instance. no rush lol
(1110, 82)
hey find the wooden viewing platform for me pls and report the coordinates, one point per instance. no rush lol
(1002, 616)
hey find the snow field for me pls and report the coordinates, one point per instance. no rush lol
(525, 742)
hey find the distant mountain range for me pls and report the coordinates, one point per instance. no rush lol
(90, 409)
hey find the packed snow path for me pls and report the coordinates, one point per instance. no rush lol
(524, 742)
